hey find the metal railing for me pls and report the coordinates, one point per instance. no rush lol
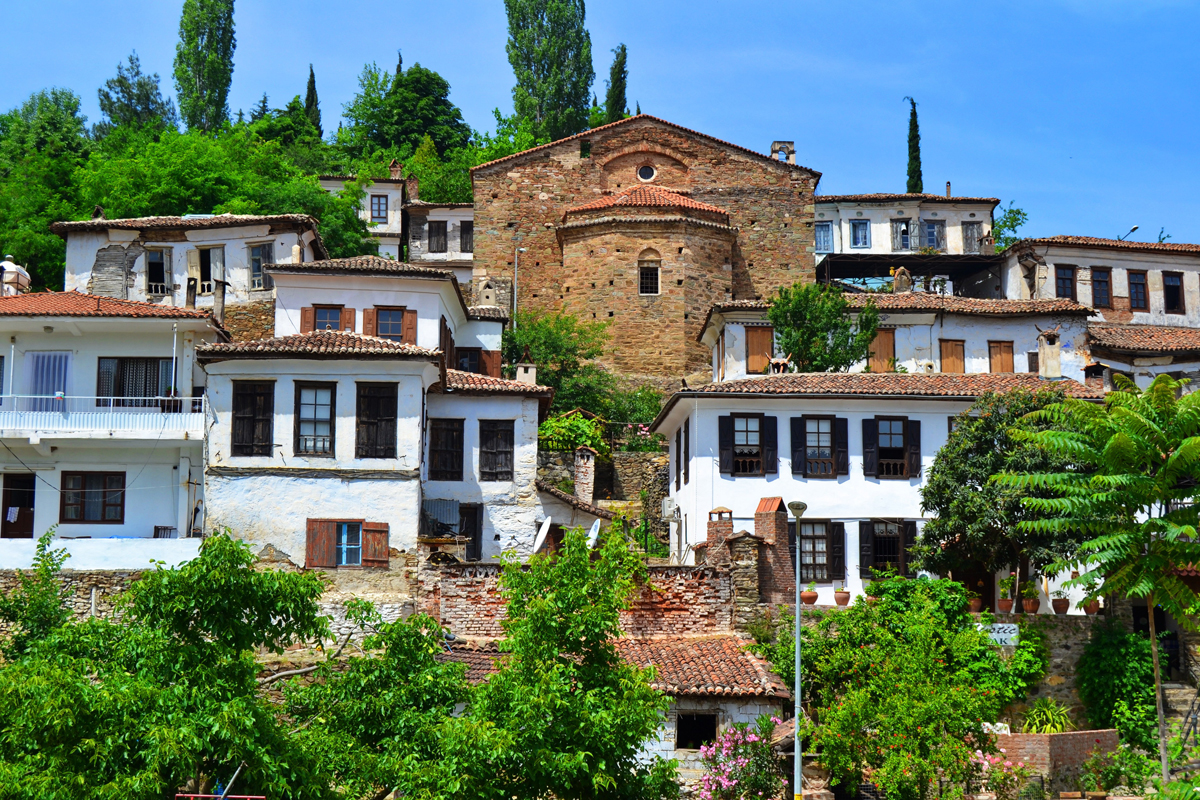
(57, 413)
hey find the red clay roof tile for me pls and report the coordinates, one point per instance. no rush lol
(1114, 244)
(646, 196)
(317, 344)
(894, 384)
(473, 382)
(885, 197)
(78, 304)
(1145, 338)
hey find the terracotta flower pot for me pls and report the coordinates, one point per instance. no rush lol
(975, 604)
(808, 598)
(1031, 604)
(872, 600)
(841, 597)
(1061, 605)
(1005, 605)
(1092, 608)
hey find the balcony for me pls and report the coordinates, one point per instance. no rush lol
(69, 416)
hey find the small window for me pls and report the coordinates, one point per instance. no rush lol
(972, 232)
(1101, 287)
(466, 236)
(158, 269)
(379, 208)
(892, 460)
(953, 356)
(814, 556)
(470, 527)
(886, 548)
(902, 237)
(261, 256)
(860, 233)
(445, 449)
(437, 236)
(97, 497)
(348, 544)
(389, 324)
(747, 445)
(935, 234)
(646, 173)
(693, 731)
(883, 351)
(375, 420)
(1000, 357)
(824, 237)
(132, 382)
(206, 272)
(470, 359)
(1064, 282)
(1173, 292)
(327, 318)
(818, 447)
(495, 449)
(253, 418)
(314, 419)
(1139, 299)
(648, 277)
(585, 148)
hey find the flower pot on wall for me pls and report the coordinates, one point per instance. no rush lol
(808, 598)
(841, 597)
(1031, 604)
(1061, 605)
(1005, 605)
(975, 604)
(1092, 608)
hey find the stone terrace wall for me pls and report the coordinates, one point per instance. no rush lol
(92, 593)
(1066, 637)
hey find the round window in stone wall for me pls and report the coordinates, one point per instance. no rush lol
(646, 173)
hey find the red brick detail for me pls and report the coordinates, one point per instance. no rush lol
(720, 528)
(1056, 755)
(776, 581)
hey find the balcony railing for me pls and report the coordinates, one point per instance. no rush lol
(67, 414)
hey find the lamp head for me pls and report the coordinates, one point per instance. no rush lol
(1134, 228)
(797, 507)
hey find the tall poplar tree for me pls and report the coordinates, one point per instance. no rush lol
(915, 185)
(550, 52)
(618, 75)
(312, 106)
(204, 63)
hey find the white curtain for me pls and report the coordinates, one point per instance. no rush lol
(47, 372)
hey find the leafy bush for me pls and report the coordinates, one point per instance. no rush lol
(1047, 716)
(38, 604)
(640, 405)
(1001, 775)
(1127, 767)
(572, 431)
(741, 763)
(639, 439)
(1115, 681)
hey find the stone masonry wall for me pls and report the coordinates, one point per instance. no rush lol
(91, 593)
(249, 321)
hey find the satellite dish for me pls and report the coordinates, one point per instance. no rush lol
(541, 536)
(593, 534)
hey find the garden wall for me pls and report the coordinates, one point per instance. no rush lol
(1058, 757)
(91, 592)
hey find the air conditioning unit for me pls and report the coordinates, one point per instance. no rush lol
(669, 509)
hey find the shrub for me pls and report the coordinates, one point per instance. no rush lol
(1115, 679)
(571, 431)
(1047, 716)
(1002, 776)
(741, 763)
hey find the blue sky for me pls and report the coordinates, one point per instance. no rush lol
(1083, 112)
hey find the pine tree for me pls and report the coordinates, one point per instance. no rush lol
(204, 63)
(914, 151)
(261, 110)
(133, 98)
(618, 75)
(550, 52)
(312, 107)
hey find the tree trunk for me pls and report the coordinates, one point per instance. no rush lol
(1158, 703)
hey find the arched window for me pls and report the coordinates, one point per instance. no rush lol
(649, 264)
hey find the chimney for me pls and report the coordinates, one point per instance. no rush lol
(526, 373)
(396, 169)
(720, 528)
(190, 298)
(1049, 355)
(585, 474)
(776, 581)
(947, 188)
(295, 254)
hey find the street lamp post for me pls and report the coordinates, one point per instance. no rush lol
(797, 508)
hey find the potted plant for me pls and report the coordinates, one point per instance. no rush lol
(1091, 600)
(1029, 597)
(974, 602)
(809, 595)
(841, 595)
(1061, 604)
(1005, 603)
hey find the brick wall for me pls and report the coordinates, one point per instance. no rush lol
(777, 583)
(1057, 757)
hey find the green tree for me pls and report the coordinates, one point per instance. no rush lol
(37, 605)
(312, 106)
(814, 328)
(915, 185)
(1133, 491)
(204, 63)
(563, 348)
(261, 110)
(133, 98)
(615, 106)
(974, 522)
(1114, 677)
(1004, 228)
(550, 51)
(597, 116)
(397, 111)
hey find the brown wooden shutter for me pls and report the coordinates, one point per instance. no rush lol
(883, 351)
(369, 315)
(952, 356)
(319, 549)
(375, 544)
(347, 319)
(866, 547)
(912, 439)
(308, 319)
(836, 547)
(799, 448)
(489, 361)
(1000, 356)
(841, 446)
(870, 447)
(760, 346)
(408, 326)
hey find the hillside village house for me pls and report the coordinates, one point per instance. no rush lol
(382, 208)
(102, 423)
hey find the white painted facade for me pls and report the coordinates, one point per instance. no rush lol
(729, 711)
(455, 257)
(841, 217)
(384, 195)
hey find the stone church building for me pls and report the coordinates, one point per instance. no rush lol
(643, 224)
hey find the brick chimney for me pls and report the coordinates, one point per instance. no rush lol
(585, 474)
(776, 580)
(948, 189)
(720, 528)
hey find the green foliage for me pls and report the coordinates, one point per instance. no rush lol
(133, 99)
(572, 431)
(312, 105)
(1115, 677)
(637, 438)
(615, 106)
(550, 51)
(741, 763)
(37, 605)
(204, 63)
(974, 520)
(395, 112)
(1005, 225)
(915, 184)
(562, 346)
(1129, 768)
(640, 405)
(1046, 715)
(815, 330)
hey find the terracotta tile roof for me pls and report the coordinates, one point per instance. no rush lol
(317, 344)
(420, 204)
(473, 382)
(1145, 338)
(364, 265)
(646, 196)
(636, 118)
(574, 502)
(488, 312)
(711, 666)
(1114, 244)
(893, 384)
(885, 197)
(78, 304)
(188, 223)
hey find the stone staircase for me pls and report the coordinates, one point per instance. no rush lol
(1177, 699)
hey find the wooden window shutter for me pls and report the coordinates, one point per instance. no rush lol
(320, 551)
(870, 448)
(1032, 358)
(770, 444)
(687, 445)
(883, 351)
(952, 356)
(193, 264)
(408, 326)
(490, 362)
(866, 547)
(908, 539)
(369, 327)
(836, 547)
(725, 444)
(912, 440)
(760, 346)
(799, 450)
(308, 319)
(375, 544)
(841, 446)
(678, 457)
(1000, 356)
(347, 319)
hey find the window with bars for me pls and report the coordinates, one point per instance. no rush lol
(253, 418)
(466, 236)
(97, 497)
(495, 449)
(887, 546)
(261, 257)
(445, 449)
(158, 272)
(132, 382)
(648, 277)
(314, 419)
(813, 539)
(892, 460)
(375, 420)
(1139, 298)
(379, 208)
(818, 447)
(1064, 282)
(437, 236)
(1101, 287)
(860, 233)
(747, 445)
(823, 231)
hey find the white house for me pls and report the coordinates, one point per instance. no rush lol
(382, 208)
(442, 234)
(903, 223)
(854, 446)
(102, 428)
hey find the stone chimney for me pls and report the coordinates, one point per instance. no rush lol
(526, 373)
(395, 170)
(948, 189)
(745, 573)
(776, 580)
(720, 528)
(585, 474)
(1049, 355)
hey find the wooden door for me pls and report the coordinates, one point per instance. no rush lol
(1000, 356)
(952, 356)
(18, 506)
(760, 346)
(883, 351)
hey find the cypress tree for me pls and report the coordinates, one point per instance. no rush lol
(914, 151)
(639, 110)
(550, 51)
(312, 106)
(614, 100)
(204, 63)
